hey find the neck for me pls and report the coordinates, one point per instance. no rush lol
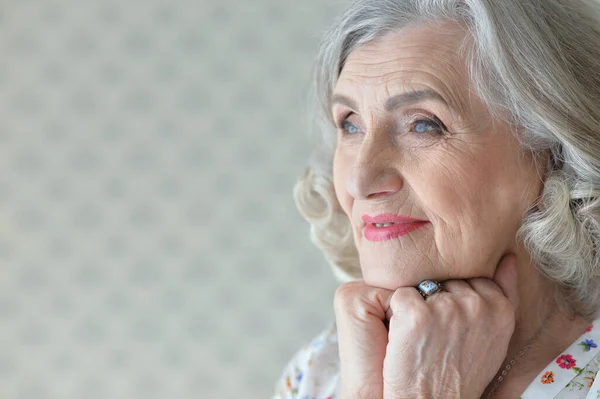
(539, 314)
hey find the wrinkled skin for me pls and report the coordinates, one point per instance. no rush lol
(446, 160)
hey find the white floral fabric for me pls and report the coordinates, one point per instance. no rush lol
(313, 373)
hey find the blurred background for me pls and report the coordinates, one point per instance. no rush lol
(149, 242)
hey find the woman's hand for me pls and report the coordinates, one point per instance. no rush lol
(448, 346)
(360, 312)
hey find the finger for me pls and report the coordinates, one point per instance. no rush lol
(405, 299)
(456, 287)
(506, 278)
(360, 307)
(362, 336)
(485, 287)
(362, 300)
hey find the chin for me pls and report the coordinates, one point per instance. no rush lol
(392, 273)
(402, 261)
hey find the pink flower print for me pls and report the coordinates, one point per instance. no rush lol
(589, 328)
(566, 362)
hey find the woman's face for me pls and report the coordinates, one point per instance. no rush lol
(414, 141)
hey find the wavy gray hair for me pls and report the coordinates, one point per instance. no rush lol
(535, 63)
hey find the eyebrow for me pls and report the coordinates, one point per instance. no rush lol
(396, 101)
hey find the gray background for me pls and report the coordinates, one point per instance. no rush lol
(149, 243)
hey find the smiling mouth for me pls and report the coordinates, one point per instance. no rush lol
(384, 224)
(386, 231)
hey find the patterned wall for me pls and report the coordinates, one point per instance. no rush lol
(149, 243)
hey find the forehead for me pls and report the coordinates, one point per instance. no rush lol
(421, 56)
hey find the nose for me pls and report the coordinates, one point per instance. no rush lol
(374, 174)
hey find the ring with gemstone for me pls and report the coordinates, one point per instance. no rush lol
(428, 288)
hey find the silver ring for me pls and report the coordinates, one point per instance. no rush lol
(428, 288)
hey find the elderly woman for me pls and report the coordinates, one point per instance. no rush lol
(459, 198)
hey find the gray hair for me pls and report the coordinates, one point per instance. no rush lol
(535, 63)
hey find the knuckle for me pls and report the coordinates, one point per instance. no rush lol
(402, 301)
(412, 315)
(397, 300)
(474, 304)
(347, 290)
(417, 319)
(357, 298)
(448, 301)
(343, 296)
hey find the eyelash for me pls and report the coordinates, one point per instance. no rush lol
(430, 119)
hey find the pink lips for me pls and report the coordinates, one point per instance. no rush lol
(401, 225)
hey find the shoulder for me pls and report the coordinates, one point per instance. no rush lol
(313, 372)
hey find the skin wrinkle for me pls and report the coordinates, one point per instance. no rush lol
(415, 66)
(473, 185)
(384, 79)
(433, 263)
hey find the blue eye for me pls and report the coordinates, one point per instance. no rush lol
(349, 127)
(421, 126)
(426, 126)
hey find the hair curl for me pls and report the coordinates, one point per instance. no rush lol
(535, 63)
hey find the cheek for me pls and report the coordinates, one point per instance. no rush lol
(452, 184)
(457, 188)
(476, 199)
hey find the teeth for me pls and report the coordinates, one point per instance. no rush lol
(383, 224)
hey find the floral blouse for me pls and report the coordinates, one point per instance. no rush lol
(313, 373)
